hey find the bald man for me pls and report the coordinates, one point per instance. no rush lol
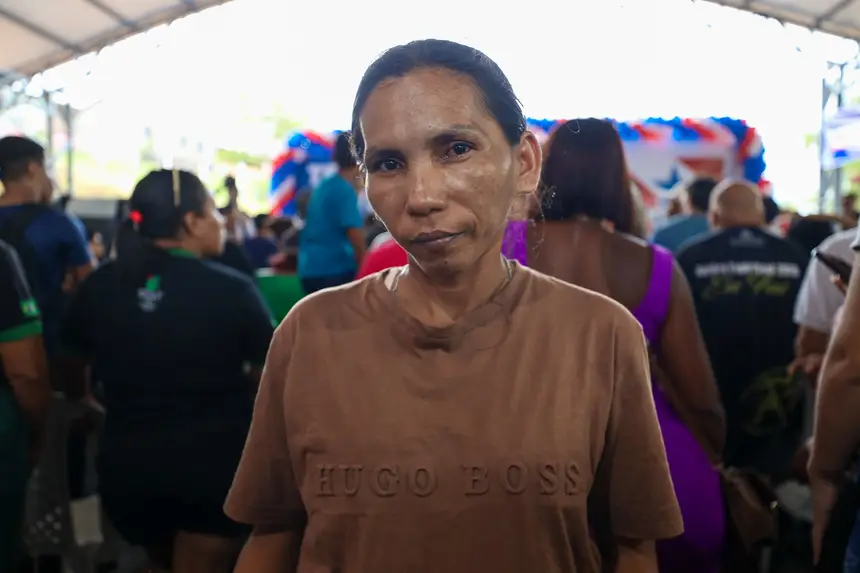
(744, 282)
(736, 204)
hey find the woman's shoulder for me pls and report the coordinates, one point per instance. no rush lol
(227, 275)
(339, 306)
(563, 301)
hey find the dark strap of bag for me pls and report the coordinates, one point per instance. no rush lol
(749, 499)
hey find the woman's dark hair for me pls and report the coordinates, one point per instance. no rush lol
(808, 232)
(585, 174)
(771, 209)
(699, 192)
(16, 155)
(157, 208)
(342, 152)
(495, 89)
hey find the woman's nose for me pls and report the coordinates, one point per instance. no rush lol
(427, 193)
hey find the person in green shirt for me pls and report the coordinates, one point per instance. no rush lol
(25, 395)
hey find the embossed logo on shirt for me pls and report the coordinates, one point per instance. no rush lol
(389, 480)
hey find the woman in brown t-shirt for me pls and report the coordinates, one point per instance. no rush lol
(462, 413)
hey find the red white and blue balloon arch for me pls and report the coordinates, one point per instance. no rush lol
(660, 153)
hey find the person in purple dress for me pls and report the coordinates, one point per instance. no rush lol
(583, 234)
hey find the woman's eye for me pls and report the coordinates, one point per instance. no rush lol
(461, 148)
(458, 149)
(386, 165)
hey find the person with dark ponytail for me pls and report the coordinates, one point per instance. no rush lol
(176, 341)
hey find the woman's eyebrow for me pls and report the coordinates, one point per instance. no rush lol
(446, 134)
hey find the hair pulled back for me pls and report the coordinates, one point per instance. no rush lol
(495, 89)
(157, 208)
(585, 174)
(16, 154)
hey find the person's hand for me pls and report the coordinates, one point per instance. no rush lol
(840, 284)
(809, 365)
(800, 461)
(824, 493)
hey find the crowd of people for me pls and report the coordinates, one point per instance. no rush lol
(499, 372)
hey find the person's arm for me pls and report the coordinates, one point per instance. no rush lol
(78, 260)
(255, 326)
(22, 352)
(350, 220)
(633, 499)
(837, 425)
(636, 557)
(76, 341)
(356, 239)
(265, 492)
(684, 359)
(817, 303)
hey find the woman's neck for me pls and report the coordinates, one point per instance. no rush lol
(178, 245)
(441, 301)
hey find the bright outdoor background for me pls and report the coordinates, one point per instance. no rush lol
(223, 88)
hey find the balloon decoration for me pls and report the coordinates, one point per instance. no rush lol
(679, 135)
(660, 153)
(300, 167)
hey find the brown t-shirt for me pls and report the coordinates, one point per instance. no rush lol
(490, 446)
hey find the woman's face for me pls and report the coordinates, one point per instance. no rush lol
(207, 229)
(440, 173)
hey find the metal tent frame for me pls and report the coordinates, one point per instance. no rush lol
(38, 35)
(837, 17)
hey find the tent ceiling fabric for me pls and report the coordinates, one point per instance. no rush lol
(38, 34)
(837, 17)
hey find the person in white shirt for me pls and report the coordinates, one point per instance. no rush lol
(817, 303)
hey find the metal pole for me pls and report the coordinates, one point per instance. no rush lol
(49, 126)
(824, 174)
(840, 101)
(70, 144)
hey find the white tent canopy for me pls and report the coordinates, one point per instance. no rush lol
(837, 17)
(38, 34)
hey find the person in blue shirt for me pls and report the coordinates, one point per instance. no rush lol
(263, 246)
(59, 247)
(331, 244)
(693, 221)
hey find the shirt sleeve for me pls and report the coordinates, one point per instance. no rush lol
(75, 247)
(19, 315)
(856, 244)
(818, 299)
(265, 491)
(256, 324)
(348, 214)
(633, 468)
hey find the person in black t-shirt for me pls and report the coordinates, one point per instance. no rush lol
(176, 341)
(25, 393)
(744, 282)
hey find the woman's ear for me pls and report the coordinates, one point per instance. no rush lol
(529, 159)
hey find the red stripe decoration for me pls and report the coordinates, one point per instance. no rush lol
(645, 133)
(704, 132)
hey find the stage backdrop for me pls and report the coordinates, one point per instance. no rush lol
(661, 153)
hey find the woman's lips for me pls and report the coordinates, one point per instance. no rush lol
(435, 239)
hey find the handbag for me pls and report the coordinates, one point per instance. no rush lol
(749, 500)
